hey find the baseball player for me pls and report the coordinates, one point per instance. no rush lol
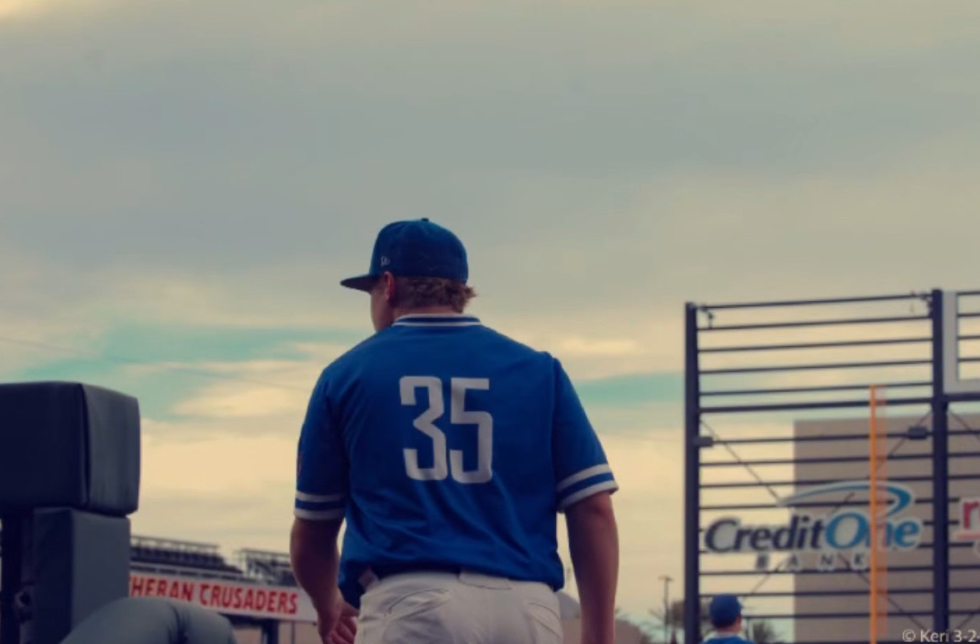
(449, 449)
(725, 614)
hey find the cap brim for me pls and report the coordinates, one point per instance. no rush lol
(361, 283)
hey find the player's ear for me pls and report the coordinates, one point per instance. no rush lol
(389, 287)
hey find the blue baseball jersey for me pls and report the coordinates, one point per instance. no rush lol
(445, 444)
(726, 639)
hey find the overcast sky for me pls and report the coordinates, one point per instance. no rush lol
(183, 183)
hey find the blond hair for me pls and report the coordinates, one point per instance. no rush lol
(424, 292)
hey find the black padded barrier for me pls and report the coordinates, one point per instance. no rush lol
(150, 620)
(68, 445)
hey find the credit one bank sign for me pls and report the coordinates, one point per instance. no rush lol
(843, 532)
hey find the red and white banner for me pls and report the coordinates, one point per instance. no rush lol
(227, 597)
(969, 520)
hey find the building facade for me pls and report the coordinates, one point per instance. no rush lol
(832, 582)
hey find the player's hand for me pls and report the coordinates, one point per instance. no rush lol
(346, 627)
(337, 622)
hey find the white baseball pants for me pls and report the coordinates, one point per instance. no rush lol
(465, 608)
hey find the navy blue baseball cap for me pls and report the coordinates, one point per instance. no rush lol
(724, 610)
(416, 248)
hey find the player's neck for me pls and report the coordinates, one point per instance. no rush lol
(426, 310)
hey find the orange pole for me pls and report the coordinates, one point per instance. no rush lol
(873, 523)
(881, 424)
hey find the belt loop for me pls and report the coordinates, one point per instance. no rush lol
(368, 579)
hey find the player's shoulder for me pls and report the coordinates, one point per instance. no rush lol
(342, 365)
(512, 346)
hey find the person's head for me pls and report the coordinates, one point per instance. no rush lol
(725, 614)
(416, 267)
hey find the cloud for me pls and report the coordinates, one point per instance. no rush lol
(229, 520)
(227, 402)
(234, 488)
(633, 390)
(716, 157)
(577, 347)
(180, 370)
(20, 9)
(237, 464)
(260, 390)
(257, 166)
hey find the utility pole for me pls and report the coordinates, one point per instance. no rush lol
(667, 616)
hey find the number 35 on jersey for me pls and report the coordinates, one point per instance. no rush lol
(448, 462)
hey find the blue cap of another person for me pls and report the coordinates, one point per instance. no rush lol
(416, 248)
(724, 610)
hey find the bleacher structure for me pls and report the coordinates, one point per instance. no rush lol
(172, 559)
(157, 555)
(271, 567)
(152, 554)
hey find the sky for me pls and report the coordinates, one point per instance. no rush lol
(183, 184)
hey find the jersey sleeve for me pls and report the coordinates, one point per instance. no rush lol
(321, 470)
(581, 468)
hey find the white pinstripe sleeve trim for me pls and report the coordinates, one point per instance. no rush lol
(589, 491)
(584, 474)
(437, 324)
(319, 498)
(319, 515)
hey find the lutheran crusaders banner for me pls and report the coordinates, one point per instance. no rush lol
(227, 598)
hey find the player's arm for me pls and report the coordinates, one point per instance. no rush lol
(584, 487)
(316, 560)
(594, 543)
(321, 499)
